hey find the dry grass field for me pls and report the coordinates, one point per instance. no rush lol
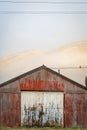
(44, 128)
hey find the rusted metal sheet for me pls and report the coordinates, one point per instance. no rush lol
(76, 110)
(72, 88)
(11, 87)
(41, 80)
(41, 108)
(10, 109)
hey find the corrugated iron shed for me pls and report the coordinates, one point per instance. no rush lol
(43, 83)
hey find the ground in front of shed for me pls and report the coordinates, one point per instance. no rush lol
(43, 128)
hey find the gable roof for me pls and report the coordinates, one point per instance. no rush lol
(45, 68)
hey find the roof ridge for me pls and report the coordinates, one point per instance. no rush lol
(45, 68)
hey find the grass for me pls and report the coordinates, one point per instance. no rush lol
(38, 128)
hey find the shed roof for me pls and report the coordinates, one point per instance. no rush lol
(45, 68)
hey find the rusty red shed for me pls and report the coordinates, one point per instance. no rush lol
(43, 97)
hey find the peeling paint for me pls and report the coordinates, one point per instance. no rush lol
(42, 108)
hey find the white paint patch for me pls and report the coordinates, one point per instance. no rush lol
(41, 108)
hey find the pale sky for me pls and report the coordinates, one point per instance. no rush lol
(21, 32)
(57, 40)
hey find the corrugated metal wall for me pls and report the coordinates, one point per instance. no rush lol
(10, 105)
(75, 105)
(9, 109)
(76, 110)
(41, 108)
